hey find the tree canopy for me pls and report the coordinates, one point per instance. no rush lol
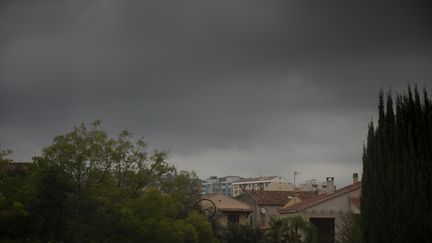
(292, 230)
(397, 167)
(89, 187)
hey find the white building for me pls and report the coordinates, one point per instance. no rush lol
(266, 183)
(312, 185)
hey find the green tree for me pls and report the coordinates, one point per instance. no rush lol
(203, 228)
(236, 233)
(15, 196)
(397, 164)
(185, 188)
(94, 173)
(89, 187)
(50, 209)
(4, 154)
(90, 157)
(292, 230)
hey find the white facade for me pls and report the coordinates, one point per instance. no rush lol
(268, 183)
(312, 185)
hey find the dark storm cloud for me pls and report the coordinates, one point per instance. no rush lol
(225, 85)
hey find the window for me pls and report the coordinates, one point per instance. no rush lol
(233, 219)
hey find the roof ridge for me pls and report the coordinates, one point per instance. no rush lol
(273, 197)
(321, 198)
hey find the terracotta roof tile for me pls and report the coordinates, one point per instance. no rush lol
(276, 198)
(320, 198)
(225, 203)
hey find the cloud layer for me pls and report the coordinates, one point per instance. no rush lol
(229, 87)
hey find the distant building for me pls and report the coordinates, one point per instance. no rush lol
(266, 183)
(221, 185)
(209, 185)
(228, 210)
(327, 209)
(312, 186)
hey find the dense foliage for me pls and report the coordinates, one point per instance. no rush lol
(235, 233)
(291, 230)
(88, 187)
(397, 167)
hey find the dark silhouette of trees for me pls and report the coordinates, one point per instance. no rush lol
(292, 230)
(397, 171)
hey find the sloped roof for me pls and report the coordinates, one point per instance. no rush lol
(299, 198)
(273, 198)
(225, 203)
(309, 202)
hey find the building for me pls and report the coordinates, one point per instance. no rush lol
(266, 183)
(209, 185)
(264, 205)
(327, 210)
(219, 185)
(312, 186)
(228, 210)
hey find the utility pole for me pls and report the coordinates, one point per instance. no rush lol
(295, 173)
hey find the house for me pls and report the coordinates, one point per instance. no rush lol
(264, 205)
(266, 183)
(327, 210)
(228, 210)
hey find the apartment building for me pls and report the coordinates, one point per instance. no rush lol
(262, 183)
(221, 185)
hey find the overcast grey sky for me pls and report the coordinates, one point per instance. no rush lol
(243, 88)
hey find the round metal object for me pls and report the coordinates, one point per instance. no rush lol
(205, 209)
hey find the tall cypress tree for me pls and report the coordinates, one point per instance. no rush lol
(397, 171)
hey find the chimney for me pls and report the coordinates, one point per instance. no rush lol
(330, 186)
(355, 178)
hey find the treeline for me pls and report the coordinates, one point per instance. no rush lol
(88, 187)
(396, 200)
